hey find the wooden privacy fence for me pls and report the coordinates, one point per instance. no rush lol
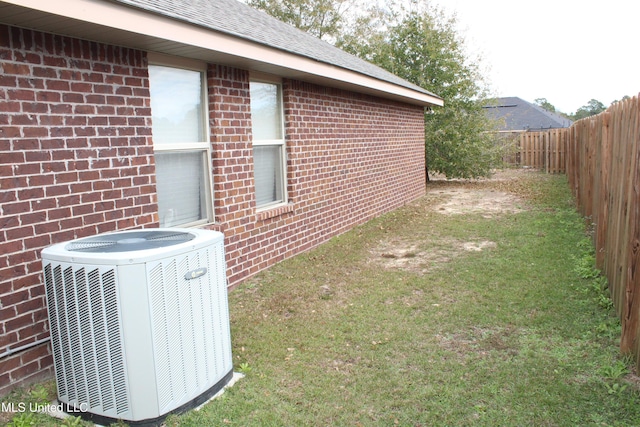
(544, 150)
(603, 168)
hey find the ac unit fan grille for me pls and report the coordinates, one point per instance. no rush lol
(129, 241)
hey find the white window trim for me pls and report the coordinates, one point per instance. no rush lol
(159, 59)
(264, 78)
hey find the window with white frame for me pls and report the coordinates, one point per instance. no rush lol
(181, 144)
(269, 154)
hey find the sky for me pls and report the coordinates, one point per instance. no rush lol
(567, 51)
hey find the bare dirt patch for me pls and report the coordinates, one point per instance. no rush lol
(487, 203)
(480, 197)
(480, 342)
(484, 197)
(402, 254)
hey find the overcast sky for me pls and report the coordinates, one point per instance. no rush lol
(567, 51)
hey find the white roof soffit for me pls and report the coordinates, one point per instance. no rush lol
(114, 23)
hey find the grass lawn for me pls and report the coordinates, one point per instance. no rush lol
(475, 305)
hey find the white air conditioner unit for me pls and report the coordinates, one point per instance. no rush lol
(139, 323)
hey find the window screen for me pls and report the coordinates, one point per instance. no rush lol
(268, 144)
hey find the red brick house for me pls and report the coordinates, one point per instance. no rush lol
(120, 114)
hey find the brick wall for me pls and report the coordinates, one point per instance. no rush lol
(76, 159)
(351, 157)
(234, 201)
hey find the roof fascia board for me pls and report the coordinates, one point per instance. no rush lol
(117, 16)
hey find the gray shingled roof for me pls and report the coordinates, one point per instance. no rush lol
(237, 19)
(519, 114)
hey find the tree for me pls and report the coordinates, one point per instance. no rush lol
(543, 103)
(592, 108)
(421, 45)
(322, 18)
(624, 98)
(418, 43)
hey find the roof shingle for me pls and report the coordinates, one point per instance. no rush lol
(520, 115)
(240, 20)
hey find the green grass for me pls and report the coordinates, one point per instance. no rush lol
(394, 323)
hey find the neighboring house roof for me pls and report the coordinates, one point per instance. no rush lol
(520, 115)
(219, 31)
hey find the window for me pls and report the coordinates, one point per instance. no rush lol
(269, 157)
(181, 145)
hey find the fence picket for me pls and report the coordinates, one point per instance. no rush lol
(631, 282)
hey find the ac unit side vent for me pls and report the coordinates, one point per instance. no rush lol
(86, 338)
(190, 341)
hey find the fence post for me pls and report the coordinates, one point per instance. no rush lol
(553, 151)
(540, 152)
(545, 151)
